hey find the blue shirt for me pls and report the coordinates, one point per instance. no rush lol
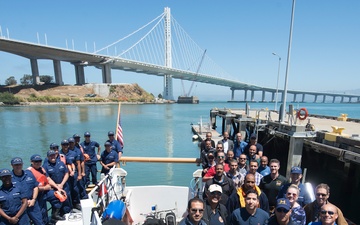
(70, 156)
(115, 145)
(239, 148)
(241, 216)
(26, 181)
(10, 199)
(109, 157)
(89, 148)
(78, 153)
(264, 170)
(56, 171)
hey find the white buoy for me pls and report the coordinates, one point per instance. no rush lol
(195, 137)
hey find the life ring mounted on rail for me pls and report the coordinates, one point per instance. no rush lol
(302, 114)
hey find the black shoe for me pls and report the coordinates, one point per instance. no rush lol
(77, 206)
(55, 215)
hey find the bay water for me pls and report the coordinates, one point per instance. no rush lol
(150, 130)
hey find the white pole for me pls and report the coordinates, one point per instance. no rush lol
(7, 31)
(67, 47)
(277, 83)
(72, 41)
(287, 63)
(46, 40)
(85, 46)
(0, 32)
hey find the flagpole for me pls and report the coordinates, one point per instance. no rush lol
(116, 129)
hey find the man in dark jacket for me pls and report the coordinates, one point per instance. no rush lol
(226, 183)
(215, 212)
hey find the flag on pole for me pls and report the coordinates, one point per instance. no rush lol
(119, 131)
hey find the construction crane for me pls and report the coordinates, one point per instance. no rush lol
(197, 72)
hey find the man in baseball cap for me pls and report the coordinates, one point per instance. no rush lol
(212, 204)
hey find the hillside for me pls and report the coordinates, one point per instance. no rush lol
(80, 93)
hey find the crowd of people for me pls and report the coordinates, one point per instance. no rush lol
(59, 178)
(244, 187)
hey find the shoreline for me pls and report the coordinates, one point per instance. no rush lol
(83, 103)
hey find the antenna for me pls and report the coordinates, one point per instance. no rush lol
(197, 72)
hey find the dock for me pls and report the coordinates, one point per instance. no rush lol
(327, 147)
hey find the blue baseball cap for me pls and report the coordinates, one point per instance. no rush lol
(71, 140)
(107, 144)
(51, 152)
(16, 161)
(36, 158)
(87, 134)
(296, 169)
(53, 145)
(110, 133)
(76, 136)
(283, 203)
(64, 142)
(5, 172)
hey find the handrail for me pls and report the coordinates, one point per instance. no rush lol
(125, 159)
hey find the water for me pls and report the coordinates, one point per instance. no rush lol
(161, 130)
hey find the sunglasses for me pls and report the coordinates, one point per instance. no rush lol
(320, 194)
(215, 193)
(323, 212)
(197, 210)
(221, 157)
(282, 210)
(242, 158)
(291, 194)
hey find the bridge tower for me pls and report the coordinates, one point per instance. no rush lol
(168, 85)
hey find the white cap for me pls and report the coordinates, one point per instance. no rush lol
(215, 187)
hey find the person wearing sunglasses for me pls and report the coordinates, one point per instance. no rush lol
(195, 210)
(312, 210)
(328, 215)
(251, 214)
(297, 212)
(215, 213)
(219, 159)
(282, 213)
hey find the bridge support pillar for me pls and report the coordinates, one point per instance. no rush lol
(342, 99)
(57, 72)
(303, 98)
(106, 74)
(252, 95)
(245, 95)
(273, 97)
(168, 88)
(294, 99)
(315, 98)
(35, 71)
(79, 74)
(333, 99)
(232, 94)
(324, 98)
(263, 96)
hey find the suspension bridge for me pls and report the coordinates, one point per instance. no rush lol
(163, 48)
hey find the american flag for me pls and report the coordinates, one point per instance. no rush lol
(119, 133)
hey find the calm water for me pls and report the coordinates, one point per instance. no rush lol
(149, 130)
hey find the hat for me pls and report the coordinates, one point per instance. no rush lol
(110, 133)
(215, 187)
(296, 169)
(76, 136)
(16, 161)
(71, 140)
(53, 145)
(5, 172)
(35, 158)
(64, 142)
(87, 134)
(283, 203)
(107, 143)
(253, 136)
(51, 152)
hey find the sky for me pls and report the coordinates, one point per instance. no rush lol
(239, 35)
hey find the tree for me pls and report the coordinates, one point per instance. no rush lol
(46, 79)
(160, 96)
(26, 80)
(11, 81)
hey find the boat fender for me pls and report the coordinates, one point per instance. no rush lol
(302, 114)
(61, 195)
(116, 209)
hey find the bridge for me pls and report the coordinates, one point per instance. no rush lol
(165, 50)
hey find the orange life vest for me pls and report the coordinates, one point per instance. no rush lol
(40, 177)
(62, 158)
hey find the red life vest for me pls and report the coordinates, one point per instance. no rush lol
(40, 177)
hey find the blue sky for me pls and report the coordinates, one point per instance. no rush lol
(238, 35)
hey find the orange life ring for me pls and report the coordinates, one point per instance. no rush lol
(302, 114)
